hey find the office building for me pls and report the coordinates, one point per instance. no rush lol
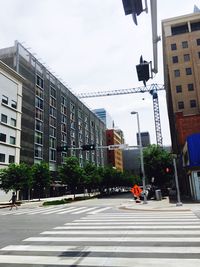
(105, 117)
(181, 55)
(114, 157)
(52, 116)
(10, 112)
(145, 139)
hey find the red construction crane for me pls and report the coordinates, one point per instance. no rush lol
(152, 89)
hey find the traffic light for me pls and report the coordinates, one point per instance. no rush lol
(168, 170)
(143, 71)
(133, 7)
(88, 147)
(62, 148)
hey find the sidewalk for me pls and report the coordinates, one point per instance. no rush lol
(37, 202)
(129, 204)
(160, 205)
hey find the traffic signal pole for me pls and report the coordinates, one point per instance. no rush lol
(179, 203)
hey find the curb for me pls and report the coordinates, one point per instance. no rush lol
(155, 209)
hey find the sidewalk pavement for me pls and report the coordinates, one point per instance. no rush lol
(129, 204)
(37, 202)
(161, 205)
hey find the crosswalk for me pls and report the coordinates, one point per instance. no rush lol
(112, 239)
(54, 210)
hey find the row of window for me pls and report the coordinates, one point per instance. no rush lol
(40, 85)
(190, 87)
(4, 119)
(5, 101)
(193, 104)
(3, 139)
(177, 73)
(184, 44)
(186, 58)
(184, 28)
(11, 158)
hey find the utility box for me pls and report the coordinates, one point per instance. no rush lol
(158, 194)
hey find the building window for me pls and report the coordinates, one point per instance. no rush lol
(2, 137)
(13, 104)
(52, 155)
(52, 142)
(63, 101)
(64, 137)
(193, 103)
(184, 44)
(195, 26)
(180, 105)
(52, 131)
(12, 140)
(52, 121)
(52, 102)
(38, 125)
(4, 118)
(53, 92)
(198, 41)
(39, 92)
(38, 138)
(175, 59)
(39, 103)
(38, 114)
(5, 99)
(13, 122)
(177, 73)
(190, 87)
(11, 159)
(173, 47)
(2, 157)
(38, 151)
(186, 57)
(52, 111)
(39, 81)
(179, 89)
(188, 71)
(180, 29)
(198, 54)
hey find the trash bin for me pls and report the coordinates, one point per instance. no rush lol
(158, 194)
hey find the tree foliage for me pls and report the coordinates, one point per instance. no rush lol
(41, 177)
(92, 177)
(71, 173)
(156, 160)
(15, 177)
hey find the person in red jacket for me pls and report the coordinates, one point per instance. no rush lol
(136, 190)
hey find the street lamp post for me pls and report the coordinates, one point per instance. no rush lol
(141, 158)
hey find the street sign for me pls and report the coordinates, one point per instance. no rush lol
(117, 146)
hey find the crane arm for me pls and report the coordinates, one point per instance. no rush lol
(141, 89)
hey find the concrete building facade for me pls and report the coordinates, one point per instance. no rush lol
(105, 117)
(10, 112)
(181, 54)
(114, 157)
(52, 116)
(145, 138)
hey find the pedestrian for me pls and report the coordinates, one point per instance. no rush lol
(13, 199)
(136, 190)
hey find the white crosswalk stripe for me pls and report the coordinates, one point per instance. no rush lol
(62, 209)
(137, 239)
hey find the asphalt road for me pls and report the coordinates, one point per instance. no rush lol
(98, 233)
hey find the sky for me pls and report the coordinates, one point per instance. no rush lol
(92, 46)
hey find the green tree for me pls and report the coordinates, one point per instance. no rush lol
(156, 160)
(15, 177)
(92, 177)
(72, 174)
(41, 177)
